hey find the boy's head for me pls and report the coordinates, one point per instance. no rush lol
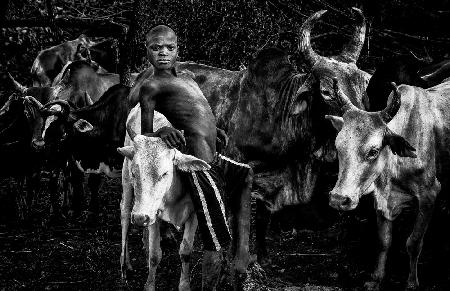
(162, 49)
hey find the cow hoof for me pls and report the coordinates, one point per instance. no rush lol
(184, 286)
(91, 219)
(56, 219)
(372, 286)
(412, 287)
(264, 260)
(125, 272)
(239, 280)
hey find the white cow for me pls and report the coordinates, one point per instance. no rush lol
(150, 176)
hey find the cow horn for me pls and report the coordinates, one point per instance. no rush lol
(353, 48)
(63, 103)
(391, 109)
(342, 99)
(35, 102)
(131, 132)
(19, 87)
(88, 98)
(305, 47)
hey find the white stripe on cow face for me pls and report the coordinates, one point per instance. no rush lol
(49, 120)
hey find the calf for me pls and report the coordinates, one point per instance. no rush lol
(399, 154)
(152, 177)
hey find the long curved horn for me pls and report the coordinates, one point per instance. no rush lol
(391, 109)
(353, 48)
(342, 99)
(19, 87)
(131, 132)
(35, 102)
(304, 46)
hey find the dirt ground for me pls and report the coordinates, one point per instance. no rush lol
(74, 256)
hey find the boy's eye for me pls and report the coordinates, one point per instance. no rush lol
(171, 48)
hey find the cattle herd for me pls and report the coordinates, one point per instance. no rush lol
(388, 131)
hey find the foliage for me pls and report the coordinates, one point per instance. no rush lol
(228, 33)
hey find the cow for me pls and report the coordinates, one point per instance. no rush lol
(151, 177)
(20, 120)
(273, 115)
(71, 138)
(401, 155)
(403, 70)
(49, 62)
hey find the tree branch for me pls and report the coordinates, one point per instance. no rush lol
(85, 23)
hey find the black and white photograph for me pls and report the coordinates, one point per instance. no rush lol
(225, 145)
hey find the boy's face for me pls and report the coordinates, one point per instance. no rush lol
(162, 50)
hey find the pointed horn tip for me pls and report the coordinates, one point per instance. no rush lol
(393, 85)
(318, 14)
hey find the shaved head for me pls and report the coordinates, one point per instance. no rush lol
(160, 30)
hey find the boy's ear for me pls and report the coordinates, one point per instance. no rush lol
(338, 122)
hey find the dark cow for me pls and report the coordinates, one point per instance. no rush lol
(401, 155)
(49, 62)
(20, 120)
(80, 86)
(68, 132)
(273, 115)
(403, 70)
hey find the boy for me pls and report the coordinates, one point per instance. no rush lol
(178, 97)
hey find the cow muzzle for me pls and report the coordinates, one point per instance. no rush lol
(341, 202)
(142, 220)
(38, 144)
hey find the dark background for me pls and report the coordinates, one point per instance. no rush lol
(224, 34)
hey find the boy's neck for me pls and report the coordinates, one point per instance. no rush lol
(165, 73)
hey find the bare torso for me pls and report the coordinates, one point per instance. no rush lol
(182, 102)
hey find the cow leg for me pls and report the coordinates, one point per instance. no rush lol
(415, 240)
(262, 223)
(241, 231)
(154, 255)
(55, 213)
(185, 251)
(76, 179)
(94, 182)
(125, 217)
(32, 189)
(385, 238)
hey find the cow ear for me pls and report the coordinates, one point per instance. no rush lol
(338, 122)
(126, 151)
(188, 163)
(399, 146)
(83, 125)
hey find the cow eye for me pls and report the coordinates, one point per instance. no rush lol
(372, 154)
(163, 175)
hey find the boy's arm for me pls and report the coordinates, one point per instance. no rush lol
(147, 102)
(171, 136)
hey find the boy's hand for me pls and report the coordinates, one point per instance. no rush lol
(171, 136)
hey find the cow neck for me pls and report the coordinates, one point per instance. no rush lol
(108, 104)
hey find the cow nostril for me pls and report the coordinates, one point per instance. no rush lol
(140, 219)
(347, 201)
(146, 220)
(38, 144)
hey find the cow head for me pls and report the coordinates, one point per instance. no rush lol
(153, 174)
(363, 144)
(342, 67)
(21, 121)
